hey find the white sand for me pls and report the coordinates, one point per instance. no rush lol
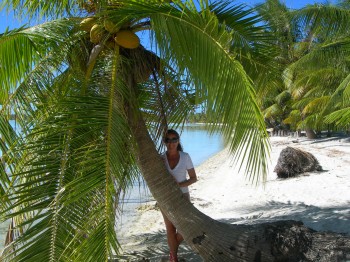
(320, 199)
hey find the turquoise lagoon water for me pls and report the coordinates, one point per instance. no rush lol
(195, 140)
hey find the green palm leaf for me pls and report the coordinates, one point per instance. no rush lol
(64, 166)
(328, 19)
(316, 105)
(340, 117)
(197, 54)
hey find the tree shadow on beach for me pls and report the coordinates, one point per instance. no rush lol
(344, 139)
(334, 218)
(155, 248)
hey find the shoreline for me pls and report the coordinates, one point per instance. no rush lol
(321, 200)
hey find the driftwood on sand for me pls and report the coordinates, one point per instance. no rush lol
(293, 161)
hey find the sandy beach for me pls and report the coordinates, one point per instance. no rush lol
(321, 200)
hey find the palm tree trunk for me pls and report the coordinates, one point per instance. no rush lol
(310, 133)
(205, 235)
(217, 241)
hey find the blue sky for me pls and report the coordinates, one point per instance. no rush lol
(8, 20)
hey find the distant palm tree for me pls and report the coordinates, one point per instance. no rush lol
(91, 104)
(274, 95)
(322, 76)
(292, 98)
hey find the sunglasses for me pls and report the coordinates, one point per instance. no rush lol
(171, 140)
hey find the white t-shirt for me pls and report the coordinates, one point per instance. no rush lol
(180, 170)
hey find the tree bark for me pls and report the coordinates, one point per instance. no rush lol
(217, 241)
(310, 133)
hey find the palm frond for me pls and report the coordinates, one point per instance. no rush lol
(70, 172)
(17, 54)
(346, 94)
(302, 103)
(250, 40)
(294, 119)
(31, 45)
(340, 117)
(225, 84)
(191, 40)
(63, 190)
(324, 54)
(316, 105)
(339, 97)
(310, 121)
(283, 97)
(329, 19)
(273, 111)
(42, 10)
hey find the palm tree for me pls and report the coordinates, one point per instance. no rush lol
(90, 106)
(294, 40)
(274, 95)
(322, 75)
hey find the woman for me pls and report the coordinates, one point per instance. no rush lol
(179, 164)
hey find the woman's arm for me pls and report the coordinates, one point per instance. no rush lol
(193, 178)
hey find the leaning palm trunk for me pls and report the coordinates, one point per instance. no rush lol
(217, 241)
(205, 235)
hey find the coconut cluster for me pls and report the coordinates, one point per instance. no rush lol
(123, 37)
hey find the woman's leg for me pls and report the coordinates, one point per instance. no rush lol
(172, 238)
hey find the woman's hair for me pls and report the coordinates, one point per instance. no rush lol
(173, 132)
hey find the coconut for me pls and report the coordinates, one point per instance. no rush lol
(96, 34)
(87, 24)
(110, 26)
(127, 39)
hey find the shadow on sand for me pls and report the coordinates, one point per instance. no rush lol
(156, 249)
(335, 219)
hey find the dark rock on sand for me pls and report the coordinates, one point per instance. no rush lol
(293, 161)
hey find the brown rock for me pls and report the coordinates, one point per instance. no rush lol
(293, 161)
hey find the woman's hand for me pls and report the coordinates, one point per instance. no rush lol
(191, 180)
